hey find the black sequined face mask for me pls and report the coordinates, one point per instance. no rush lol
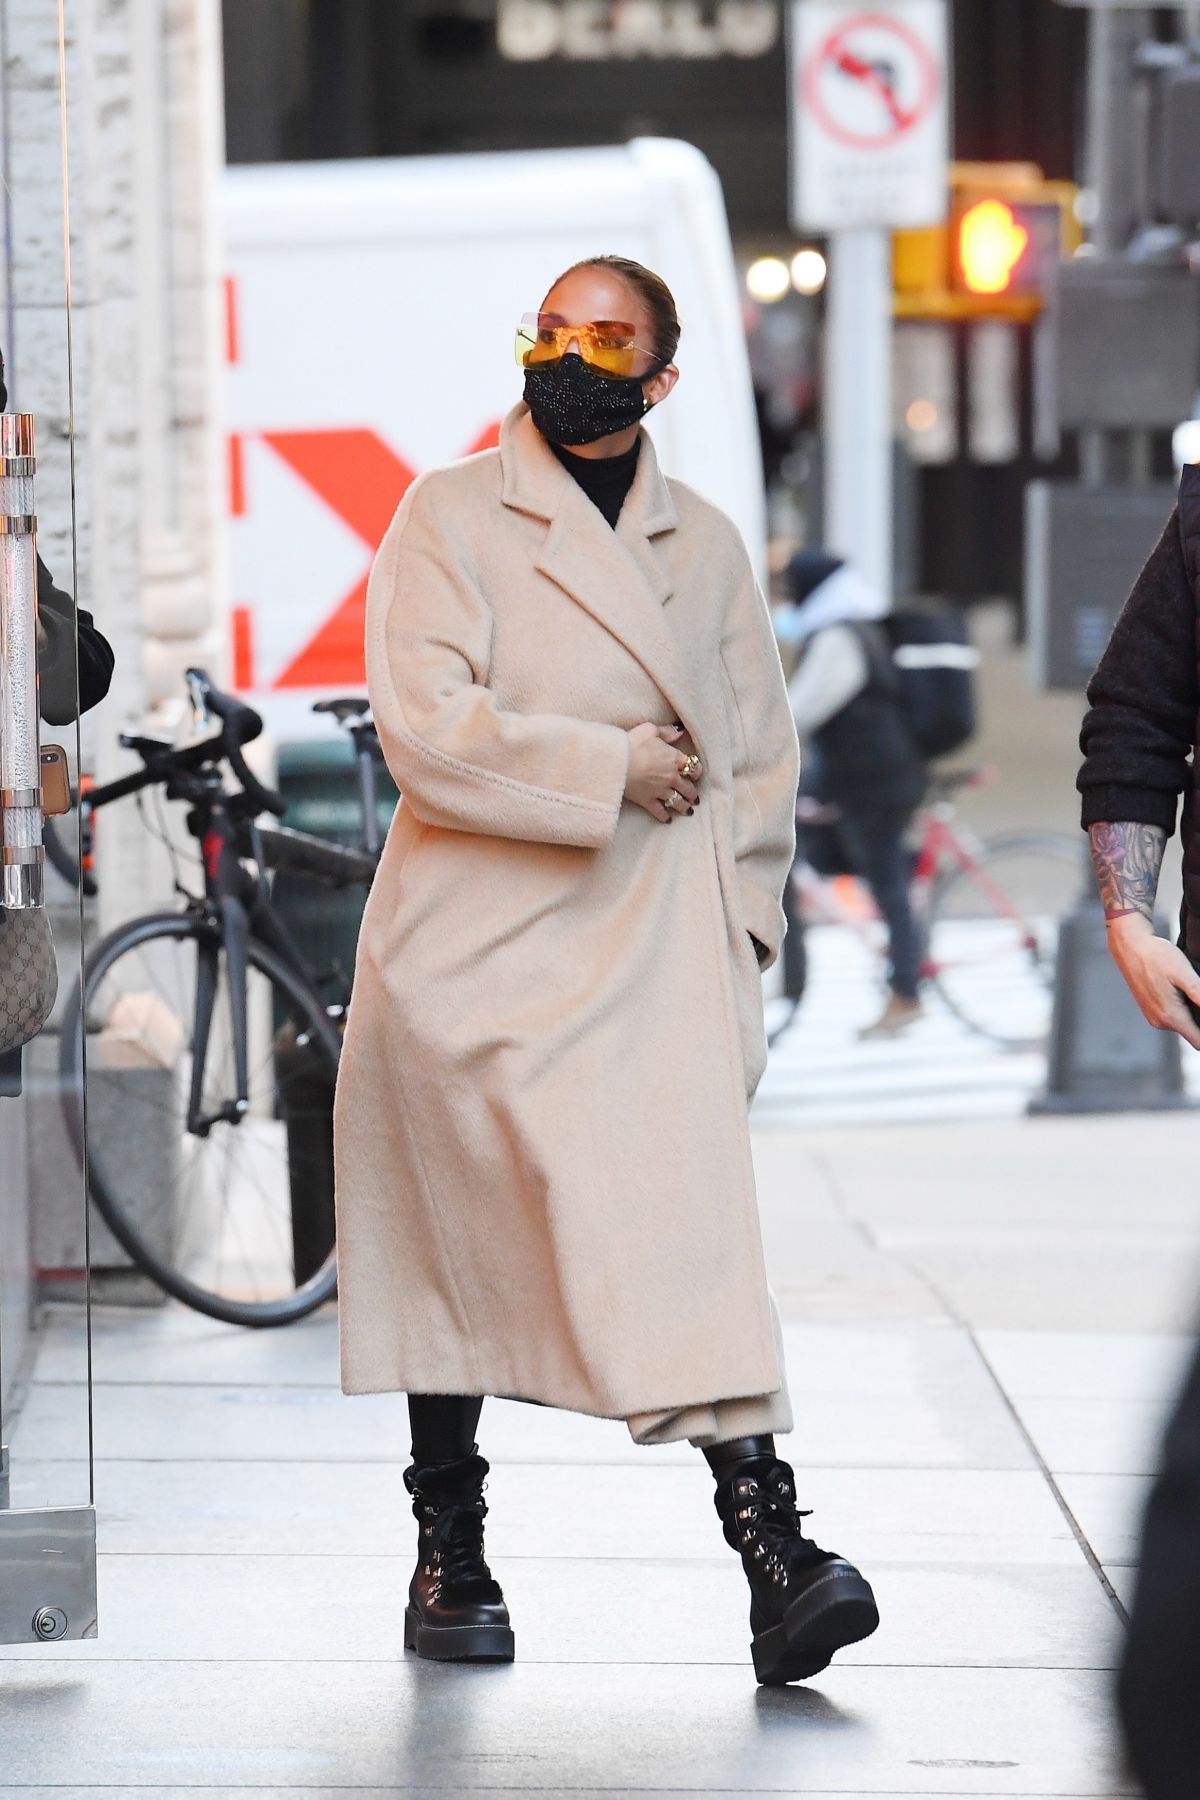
(571, 403)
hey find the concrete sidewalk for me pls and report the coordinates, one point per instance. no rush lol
(984, 1322)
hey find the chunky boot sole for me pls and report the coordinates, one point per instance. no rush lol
(835, 1610)
(458, 1643)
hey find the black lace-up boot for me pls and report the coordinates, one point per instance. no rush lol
(455, 1611)
(805, 1602)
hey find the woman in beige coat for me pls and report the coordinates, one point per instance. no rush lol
(544, 1181)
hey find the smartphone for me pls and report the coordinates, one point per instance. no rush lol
(56, 780)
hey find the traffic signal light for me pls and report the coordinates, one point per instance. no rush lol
(1006, 228)
(991, 247)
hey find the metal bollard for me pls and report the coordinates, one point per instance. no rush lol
(22, 873)
(28, 968)
(1103, 1055)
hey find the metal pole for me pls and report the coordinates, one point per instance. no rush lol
(21, 870)
(858, 403)
(1114, 35)
(1112, 173)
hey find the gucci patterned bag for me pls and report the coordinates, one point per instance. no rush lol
(28, 975)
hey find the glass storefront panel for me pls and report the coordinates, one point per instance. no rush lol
(47, 1522)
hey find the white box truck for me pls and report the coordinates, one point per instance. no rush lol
(371, 308)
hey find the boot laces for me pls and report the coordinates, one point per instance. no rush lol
(768, 1522)
(456, 1541)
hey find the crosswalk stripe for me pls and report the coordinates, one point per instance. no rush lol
(820, 1074)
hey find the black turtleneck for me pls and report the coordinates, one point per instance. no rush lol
(604, 479)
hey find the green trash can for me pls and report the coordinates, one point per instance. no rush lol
(320, 783)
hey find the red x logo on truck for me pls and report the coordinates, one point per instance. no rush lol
(362, 480)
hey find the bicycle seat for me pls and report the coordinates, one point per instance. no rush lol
(344, 706)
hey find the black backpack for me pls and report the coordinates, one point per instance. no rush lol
(935, 663)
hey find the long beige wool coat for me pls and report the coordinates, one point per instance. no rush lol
(544, 1179)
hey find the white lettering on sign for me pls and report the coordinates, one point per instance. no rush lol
(604, 30)
(870, 113)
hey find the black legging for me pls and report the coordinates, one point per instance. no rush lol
(443, 1426)
(443, 1429)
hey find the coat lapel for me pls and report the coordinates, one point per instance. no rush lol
(621, 577)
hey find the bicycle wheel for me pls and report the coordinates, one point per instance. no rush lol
(208, 1214)
(993, 934)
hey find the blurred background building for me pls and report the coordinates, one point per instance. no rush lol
(314, 79)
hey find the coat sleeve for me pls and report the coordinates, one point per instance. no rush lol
(766, 762)
(460, 759)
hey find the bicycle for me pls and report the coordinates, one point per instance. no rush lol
(212, 1048)
(990, 910)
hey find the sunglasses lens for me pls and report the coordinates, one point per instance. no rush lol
(606, 344)
(532, 344)
(611, 348)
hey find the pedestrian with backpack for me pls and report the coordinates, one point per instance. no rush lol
(861, 752)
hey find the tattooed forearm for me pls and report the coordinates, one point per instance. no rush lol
(1128, 861)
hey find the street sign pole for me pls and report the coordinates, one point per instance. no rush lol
(870, 155)
(858, 403)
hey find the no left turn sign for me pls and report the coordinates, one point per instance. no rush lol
(870, 119)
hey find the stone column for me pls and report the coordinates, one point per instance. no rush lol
(145, 152)
(145, 128)
(146, 107)
(33, 334)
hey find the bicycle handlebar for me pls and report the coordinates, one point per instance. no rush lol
(264, 798)
(159, 767)
(240, 724)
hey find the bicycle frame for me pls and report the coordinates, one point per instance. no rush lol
(944, 841)
(367, 755)
(238, 905)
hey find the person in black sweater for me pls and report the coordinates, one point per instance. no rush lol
(1137, 740)
(58, 618)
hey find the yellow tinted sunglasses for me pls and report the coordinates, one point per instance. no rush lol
(607, 345)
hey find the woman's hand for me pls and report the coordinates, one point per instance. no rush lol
(655, 770)
(1157, 974)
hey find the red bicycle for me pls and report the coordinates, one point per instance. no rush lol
(990, 909)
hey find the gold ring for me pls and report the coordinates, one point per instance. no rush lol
(672, 801)
(692, 765)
